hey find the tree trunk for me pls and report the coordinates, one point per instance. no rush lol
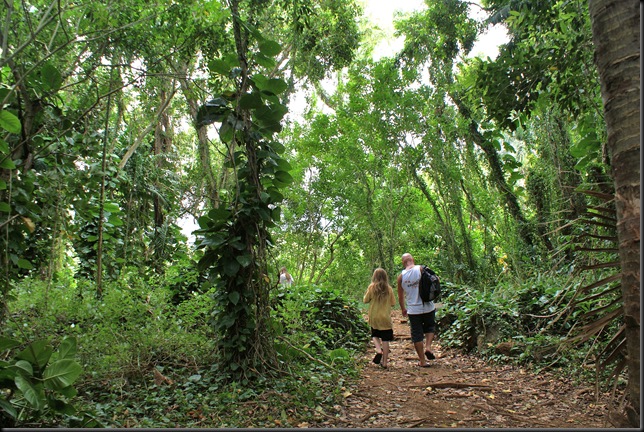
(616, 36)
(162, 145)
(496, 173)
(211, 186)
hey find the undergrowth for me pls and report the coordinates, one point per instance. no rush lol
(150, 361)
(522, 322)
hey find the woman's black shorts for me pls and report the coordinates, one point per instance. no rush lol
(384, 335)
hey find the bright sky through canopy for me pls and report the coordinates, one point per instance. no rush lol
(382, 14)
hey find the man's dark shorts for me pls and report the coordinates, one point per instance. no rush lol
(421, 324)
(384, 335)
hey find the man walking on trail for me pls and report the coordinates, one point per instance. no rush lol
(422, 316)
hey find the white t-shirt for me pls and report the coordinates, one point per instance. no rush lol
(409, 282)
(285, 280)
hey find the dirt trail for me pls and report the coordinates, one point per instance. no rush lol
(460, 391)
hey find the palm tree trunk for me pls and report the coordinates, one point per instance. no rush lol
(616, 36)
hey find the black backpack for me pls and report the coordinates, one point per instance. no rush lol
(429, 285)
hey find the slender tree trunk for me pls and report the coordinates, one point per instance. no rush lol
(212, 192)
(496, 173)
(162, 144)
(101, 202)
(616, 36)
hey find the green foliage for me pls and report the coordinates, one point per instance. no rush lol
(479, 318)
(36, 383)
(345, 201)
(134, 334)
(196, 398)
(327, 317)
(185, 280)
(549, 45)
(133, 327)
(235, 236)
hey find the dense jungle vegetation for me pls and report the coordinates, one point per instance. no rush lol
(516, 178)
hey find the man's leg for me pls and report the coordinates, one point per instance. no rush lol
(417, 337)
(419, 346)
(429, 328)
(429, 338)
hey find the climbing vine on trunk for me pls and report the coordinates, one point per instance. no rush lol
(235, 236)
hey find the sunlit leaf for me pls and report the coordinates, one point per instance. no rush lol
(269, 48)
(61, 374)
(25, 264)
(67, 348)
(37, 353)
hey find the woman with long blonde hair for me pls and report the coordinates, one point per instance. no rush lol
(380, 296)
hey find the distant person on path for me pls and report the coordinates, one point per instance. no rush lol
(380, 296)
(422, 317)
(285, 277)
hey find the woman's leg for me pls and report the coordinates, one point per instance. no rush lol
(385, 353)
(378, 343)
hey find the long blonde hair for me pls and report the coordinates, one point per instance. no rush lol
(289, 278)
(379, 283)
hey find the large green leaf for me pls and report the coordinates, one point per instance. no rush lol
(67, 348)
(115, 221)
(24, 368)
(68, 392)
(234, 297)
(61, 374)
(587, 146)
(218, 215)
(265, 61)
(219, 66)
(9, 122)
(4, 147)
(7, 163)
(8, 408)
(284, 177)
(269, 48)
(60, 406)
(275, 86)
(31, 393)
(111, 207)
(7, 344)
(284, 165)
(50, 77)
(37, 353)
(270, 115)
(25, 264)
(213, 240)
(244, 260)
(251, 101)
(231, 267)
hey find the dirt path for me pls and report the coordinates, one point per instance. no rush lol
(460, 391)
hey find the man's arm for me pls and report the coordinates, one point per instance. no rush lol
(401, 296)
